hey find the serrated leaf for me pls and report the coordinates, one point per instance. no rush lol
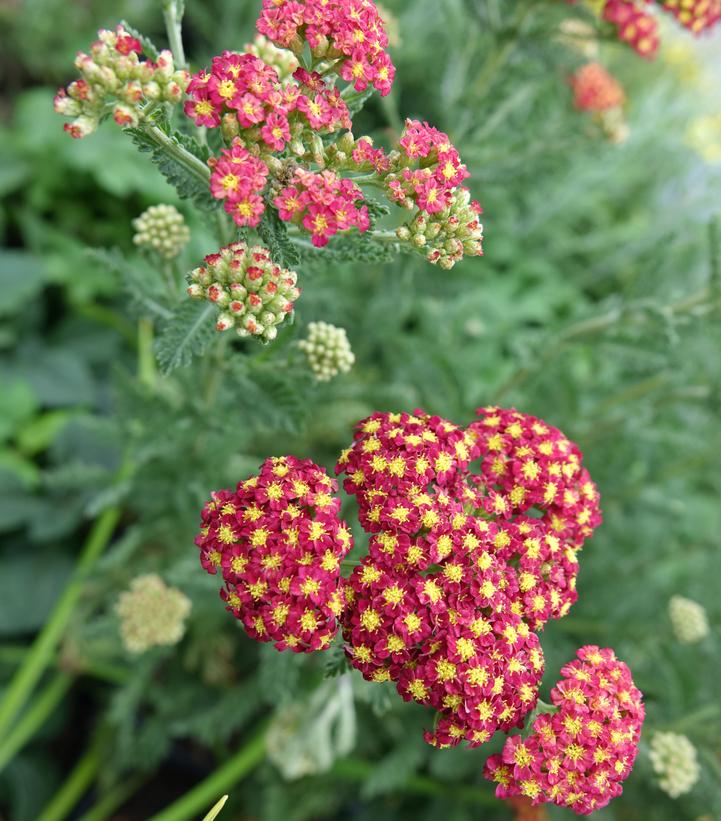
(274, 234)
(352, 247)
(150, 50)
(188, 333)
(188, 184)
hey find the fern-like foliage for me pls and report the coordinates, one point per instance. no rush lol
(187, 333)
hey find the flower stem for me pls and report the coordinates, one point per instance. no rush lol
(172, 147)
(113, 799)
(34, 718)
(45, 645)
(147, 372)
(76, 784)
(222, 780)
(173, 26)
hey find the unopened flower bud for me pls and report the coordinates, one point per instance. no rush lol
(151, 614)
(674, 759)
(688, 620)
(327, 350)
(162, 229)
(256, 294)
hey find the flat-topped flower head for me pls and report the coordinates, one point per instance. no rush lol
(579, 756)
(238, 178)
(635, 25)
(480, 670)
(323, 204)
(151, 614)
(695, 15)
(675, 762)
(277, 541)
(528, 464)
(404, 470)
(253, 293)
(114, 79)
(594, 89)
(348, 35)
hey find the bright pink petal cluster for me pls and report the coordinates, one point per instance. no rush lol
(349, 34)
(241, 85)
(238, 178)
(530, 466)
(248, 98)
(278, 542)
(323, 203)
(431, 607)
(695, 15)
(634, 25)
(578, 756)
(431, 169)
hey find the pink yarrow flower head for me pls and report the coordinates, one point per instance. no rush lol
(347, 34)
(695, 15)
(277, 542)
(254, 294)
(578, 756)
(406, 470)
(530, 465)
(428, 169)
(323, 204)
(238, 178)
(113, 77)
(634, 25)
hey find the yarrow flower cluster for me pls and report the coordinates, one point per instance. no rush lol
(462, 567)
(637, 26)
(327, 350)
(238, 178)
(151, 614)
(688, 620)
(348, 34)
(277, 541)
(448, 235)
(579, 755)
(114, 80)
(161, 228)
(253, 293)
(594, 89)
(323, 203)
(674, 760)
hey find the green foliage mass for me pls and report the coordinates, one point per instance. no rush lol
(595, 308)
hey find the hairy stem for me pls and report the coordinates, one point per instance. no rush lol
(173, 26)
(34, 718)
(221, 781)
(147, 371)
(173, 148)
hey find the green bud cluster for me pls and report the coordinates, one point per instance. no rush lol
(327, 350)
(447, 236)
(151, 614)
(162, 229)
(674, 760)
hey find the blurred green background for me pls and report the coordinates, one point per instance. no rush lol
(595, 308)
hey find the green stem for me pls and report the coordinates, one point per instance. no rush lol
(106, 316)
(45, 645)
(172, 147)
(104, 671)
(173, 26)
(114, 798)
(147, 371)
(221, 781)
(357, 770)
(34, 718)
(76, 784)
